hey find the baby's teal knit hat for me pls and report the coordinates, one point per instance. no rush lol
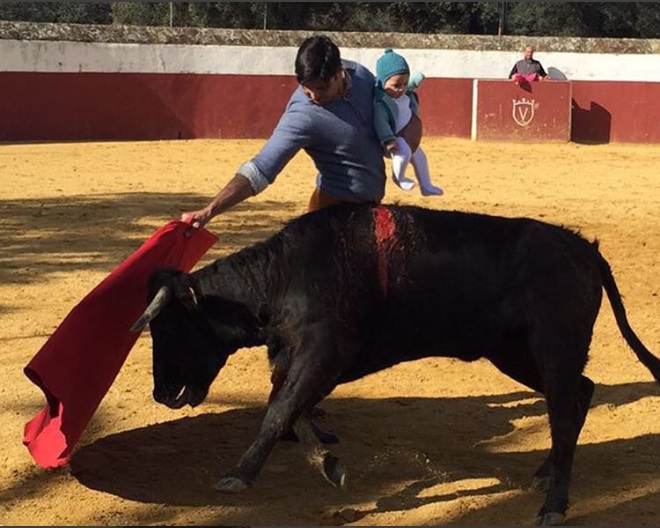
(390, 63)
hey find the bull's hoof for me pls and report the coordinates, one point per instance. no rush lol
(334, 471)
(231, 485)
(550, 519)
(541, 484)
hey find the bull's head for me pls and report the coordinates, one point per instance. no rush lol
(188, 353)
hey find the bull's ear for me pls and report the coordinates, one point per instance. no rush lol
(178, 283)
(185, 292)
(162, 277)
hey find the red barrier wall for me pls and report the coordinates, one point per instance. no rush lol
(537, 111)
(126, 106)
(616, 111)
(446, 107)
(129, 106)
(90, 106)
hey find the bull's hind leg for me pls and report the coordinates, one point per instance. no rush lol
(543, 475)
(518, 360)
(515, 359)
(563, 355)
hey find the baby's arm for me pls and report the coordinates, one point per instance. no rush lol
(416, 80)
(384, 131)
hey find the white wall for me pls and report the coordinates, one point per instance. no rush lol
(49, 56)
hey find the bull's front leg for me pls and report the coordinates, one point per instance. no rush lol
(301, 390)
(277, 379)
(317, 454)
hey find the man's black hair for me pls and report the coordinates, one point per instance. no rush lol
(317, 58)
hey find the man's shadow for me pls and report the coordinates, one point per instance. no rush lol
(556, 74)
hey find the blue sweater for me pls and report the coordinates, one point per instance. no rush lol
(339, 137)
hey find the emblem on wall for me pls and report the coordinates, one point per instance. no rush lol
(523, 111)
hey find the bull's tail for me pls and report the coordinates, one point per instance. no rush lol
(650, 361)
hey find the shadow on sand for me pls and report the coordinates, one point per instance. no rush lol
(401, 453)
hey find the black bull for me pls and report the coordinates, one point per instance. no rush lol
(352, 290)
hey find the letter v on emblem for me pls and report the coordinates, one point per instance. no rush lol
(522, 111)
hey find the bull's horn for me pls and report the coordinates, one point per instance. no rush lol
(157, 304)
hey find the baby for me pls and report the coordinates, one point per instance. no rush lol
(395, 102)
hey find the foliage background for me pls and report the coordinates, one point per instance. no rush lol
(576, 19)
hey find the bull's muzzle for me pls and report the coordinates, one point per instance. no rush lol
(159, 301)
(185, 396)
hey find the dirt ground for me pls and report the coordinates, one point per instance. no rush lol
(427, 443)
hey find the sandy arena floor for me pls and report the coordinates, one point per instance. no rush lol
(432, 442)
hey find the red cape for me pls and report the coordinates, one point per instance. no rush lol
(78, 364)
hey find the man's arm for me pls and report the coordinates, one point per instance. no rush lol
(237, 190)
(542, 74)
(382, 124)
(514, 70)
(292, 133)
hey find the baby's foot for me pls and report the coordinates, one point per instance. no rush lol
(403, 183)
(431, 190)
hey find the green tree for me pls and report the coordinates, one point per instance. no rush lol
(141, 13)
(585, 19)
(647, 23)
(485, 18)
(579, 19)
(62, 12)
(545, 18)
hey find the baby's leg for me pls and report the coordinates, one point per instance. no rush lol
(400, 160)
(421, 166)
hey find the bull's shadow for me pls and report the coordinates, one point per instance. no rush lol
(401, 453)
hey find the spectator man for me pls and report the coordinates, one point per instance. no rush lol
(528, 68)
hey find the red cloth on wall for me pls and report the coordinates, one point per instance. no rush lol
(79, 362)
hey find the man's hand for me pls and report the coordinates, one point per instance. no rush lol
(237, 190)
(390, 146)
(197, 219)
